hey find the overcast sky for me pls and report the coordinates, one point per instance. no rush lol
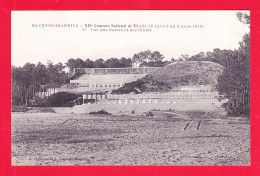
(221, 29)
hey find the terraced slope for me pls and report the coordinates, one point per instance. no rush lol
(111, 78)
(103, 82)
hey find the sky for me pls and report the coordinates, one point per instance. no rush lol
(33, 43)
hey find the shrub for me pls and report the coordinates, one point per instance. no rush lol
(149, 114)
(100, 112)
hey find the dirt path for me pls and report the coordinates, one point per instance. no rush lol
(163, 139)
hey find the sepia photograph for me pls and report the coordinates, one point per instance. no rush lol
(130, 87)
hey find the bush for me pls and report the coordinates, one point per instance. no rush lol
(100, 112)
(146, 84)
(149, 114)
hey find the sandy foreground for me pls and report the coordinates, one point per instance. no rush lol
(166, 138)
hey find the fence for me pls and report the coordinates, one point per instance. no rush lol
(146, 98)
(128, 70)
(92, 83)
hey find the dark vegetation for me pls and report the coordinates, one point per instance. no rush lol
(100, 112)
(149, 59)
(146, 84)
(99, 63)
(74, 76)
(31, 80)
(62, 99)
(142, 59)
(235, 80)
(149, 114)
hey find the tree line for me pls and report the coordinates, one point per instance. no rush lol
(142, 59)
(31, 79)
(234, 82)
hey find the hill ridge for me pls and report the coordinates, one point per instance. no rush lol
(182, 73)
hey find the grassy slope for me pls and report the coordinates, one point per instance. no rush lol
(175, 75)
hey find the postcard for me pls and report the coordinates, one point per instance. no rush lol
(130, 88)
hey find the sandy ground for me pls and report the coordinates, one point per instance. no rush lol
(167, 138)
